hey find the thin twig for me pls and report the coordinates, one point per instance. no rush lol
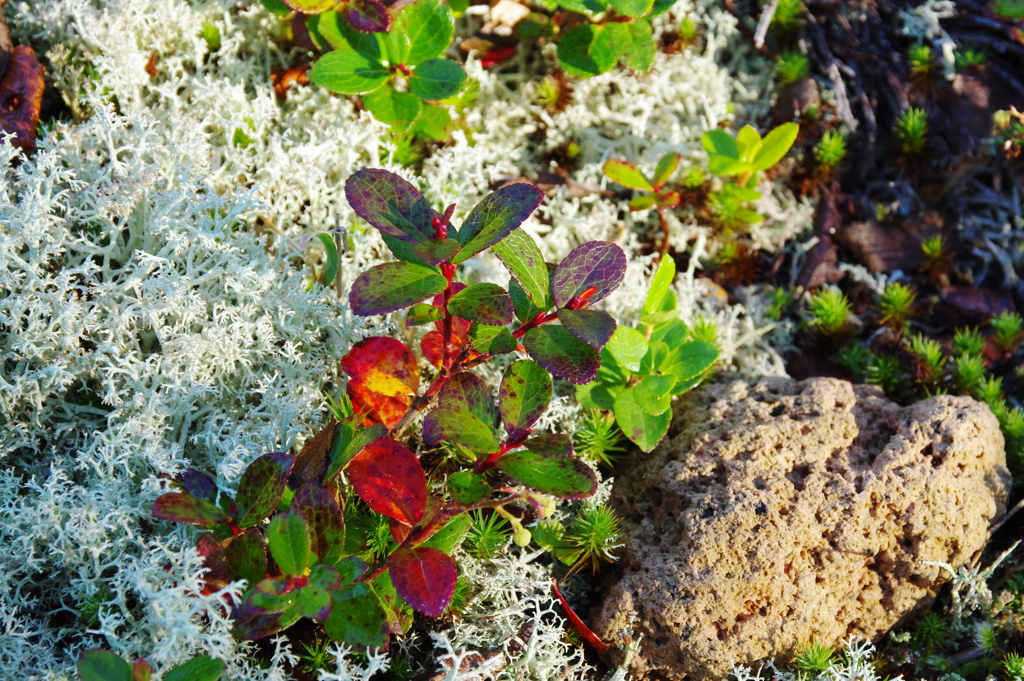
(762, 25)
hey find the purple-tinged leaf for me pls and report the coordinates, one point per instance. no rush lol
(325, 520)
(367, 16)
(596, 263)
(561, 353)
(625, 173)
(393, 285)
(312, 459)
(357, 618)
(523, 396)
(593, 327)
(425, 577)
(246, 557)
(326, 577)
(273, 594)
(493, 340)
(199, 485)
(457, 425)
(212, 551)
(261, 487)
(482, 303)
(433, 251)
(186, 509)
(550, 444)
(496, 216)
(252, 622)
(310, 6)
(391, 204)
(466, 391)
(390, 479)
(289, 541)
(559, 476)
(362, 438)
(314, 603)
(141, 670)
(350, 569)
(103, 665)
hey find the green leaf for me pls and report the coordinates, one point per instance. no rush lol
(587, 50)
(484, 303)
(340, 456)
(314, 602)
(645, 430)
(667, 166)
(672, 332)
(627, 346)
(493, 340)
(459, 426)
(103, 665)
(693, 358)
(392, 286)
(719, 143)
(339, 34)
(333, 262)
(598, 395)
(261, 487)
(626, 174)
(349, 570)
(775, 145)
(724, 165)
(653, 394)
(324, 519)
(437, 79)
(494, 218)
(634, 43)
(433, 122)
(424, 313)
(524, 307)
(434, 251)
(641, 202)
(348, 72)
(523, 396)
(749, 216)
(199, 668)
(288, 537)
(391, 107)
(581, 6)
(403, 250)
(246, 557)
(653, 363)
(357, 618)
(311, 6)
(524, 261)
(451, 536)
(632, 8)
(559, 476)
(565, 356)
(422, 31)
(748, 141)
(467, 488)
(660, 7)
(661, 283)
(276, 7)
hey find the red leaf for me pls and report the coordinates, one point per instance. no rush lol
(21, 97)
(390, 479)
(186, 509)
(378, 408)
(584, 631)
(497, 55)
(383, 365)
(424, 577)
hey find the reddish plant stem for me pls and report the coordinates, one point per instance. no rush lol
(492, 460)
(663, 249)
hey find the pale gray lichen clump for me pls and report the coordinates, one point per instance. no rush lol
(157, 314)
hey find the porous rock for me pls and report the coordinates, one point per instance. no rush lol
(784, 512)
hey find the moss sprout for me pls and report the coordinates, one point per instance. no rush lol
(930, 352)
(969, 55)
(1013, 665)
(694, 177)
(931, 631)
(704, 329)
(912, 131)
(814, 657)
(937, 258)
(884, 372)
(787, 14)
(599, 438)
(1007, 331)
(829, 310)
(970, 369)
(895, 307)
(968, 341)
(792, 66)
(488, 534)
(593, 536)
(830, 150)
(856, 359)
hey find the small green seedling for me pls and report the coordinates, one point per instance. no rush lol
(599, 438)
(657, 193)
(937, 258)
(103, 665)
(394, 60)
(747, 154)
(923, 67)
(1007, 331)
(829, 311)
(896, 306)
(787, 14)
(912, 131)
(642, 369)
(791, 67)
(592, 538)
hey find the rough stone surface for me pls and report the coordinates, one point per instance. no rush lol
(788, 511)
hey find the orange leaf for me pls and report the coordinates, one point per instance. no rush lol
(382, 365)
(376, 407)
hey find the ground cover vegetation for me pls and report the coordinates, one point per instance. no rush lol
(649, 195)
